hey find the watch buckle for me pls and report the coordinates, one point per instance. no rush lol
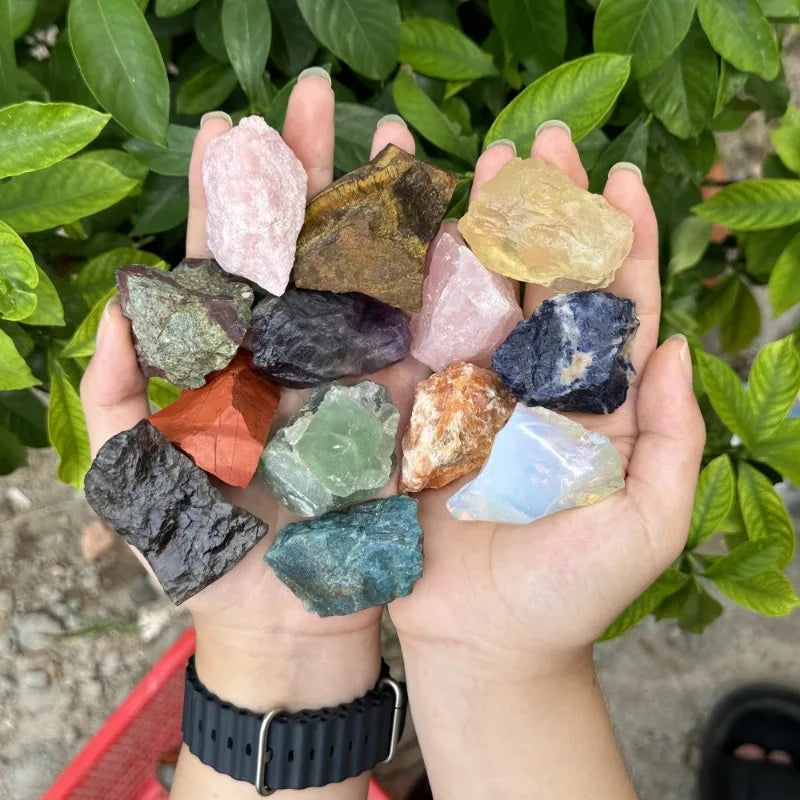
(399, 704)
(263, 759)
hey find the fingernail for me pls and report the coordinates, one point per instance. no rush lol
(683, 354)
(552, 123)
(504, 142)
(104, 319)
(314, 72)
(391, 118)
(215, 115)
(450, 221)
(631, 167)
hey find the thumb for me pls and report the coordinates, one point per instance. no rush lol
(113, 389)
(662, 474)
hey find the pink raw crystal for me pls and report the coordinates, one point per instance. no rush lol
(256, 192)
(466, 309)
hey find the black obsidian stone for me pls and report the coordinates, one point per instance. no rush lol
(571, 354)
(160, 502)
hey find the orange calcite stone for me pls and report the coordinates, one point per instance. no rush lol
(455, 417)
(223, 426)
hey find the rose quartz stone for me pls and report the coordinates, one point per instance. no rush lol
(256, 193)
(466, 309)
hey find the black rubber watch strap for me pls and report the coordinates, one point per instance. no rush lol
(303, 749)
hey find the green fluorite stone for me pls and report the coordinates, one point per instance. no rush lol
(337, 449)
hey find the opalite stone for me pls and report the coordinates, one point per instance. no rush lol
(305, 338)
(223, 426)
(369, 231)
(455, 417)
(532, 223)
(346, 561)
(256, 195)
(540, 463)
(187, 322)
(466, 309)
(571, 354)
(337, 449)
(164, 505)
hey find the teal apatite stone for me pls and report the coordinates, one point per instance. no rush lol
(346, 561)
(337, 449)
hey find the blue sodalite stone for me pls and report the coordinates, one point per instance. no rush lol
(571, 354)
(346, 561)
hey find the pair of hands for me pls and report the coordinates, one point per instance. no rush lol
(508, 603)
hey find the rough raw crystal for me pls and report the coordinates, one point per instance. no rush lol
(571, 354)
(454, 420)
(223, 426)
(532, 223)
(346, 561)
(165, 506)
(368, 232)
(540, 463)
(466, 309)
(256, 194)
(187, 322)
(337, 449)
(306, 338)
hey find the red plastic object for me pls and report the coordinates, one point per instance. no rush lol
(121, 759)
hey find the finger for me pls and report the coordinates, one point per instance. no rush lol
(553, 143)
(637, 278)
(391, 129)
(491, 161)
(308, 128)
(213, 124)
(666, 458)
(113, 389)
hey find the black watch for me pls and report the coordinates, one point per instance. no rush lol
(279, 750)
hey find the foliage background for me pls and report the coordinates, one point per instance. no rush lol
(99, 105)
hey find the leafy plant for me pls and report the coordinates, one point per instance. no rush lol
(99, 105)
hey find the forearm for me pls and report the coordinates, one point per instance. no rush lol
(521, 736)
(290, 672)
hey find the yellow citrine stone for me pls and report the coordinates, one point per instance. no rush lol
(532, 223)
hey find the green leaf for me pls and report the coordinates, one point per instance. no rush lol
(275, 113)
(731, 82)
(423, 114)
(67, 427)
(162, 393)
(36, 135)
(769, 593)
(699, 609)
(172, 161)
(122, 65)
(208, 29)
(355, 125)
(630, 145)
(781, 449)
(83, 341)
(49, 310)
(687, 244)
(773, 384)
(754, 205)
(22, 14)
(163, 205)
(18, 275)
(763, 248)
(764, 514)
(293, 44)
(682, 92)
(171, 8)
(21, 338)
(741, 325)
(14, 372)
(781, 9)
(247, 33)
(784, 283)
(786, 139)
(442, 51)
(713, 498)
(748, 559)
(532, 29)
(741, 34)
(61, 194)
(12, 452)
(650, 30)
(122, 162)
(726, 394)
(365, 34)
(669, 583)
(206, 90)
(580, 92)
(8, 64)
(98, 274)
(26, 415)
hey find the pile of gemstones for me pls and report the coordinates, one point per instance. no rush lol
(363, 277)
